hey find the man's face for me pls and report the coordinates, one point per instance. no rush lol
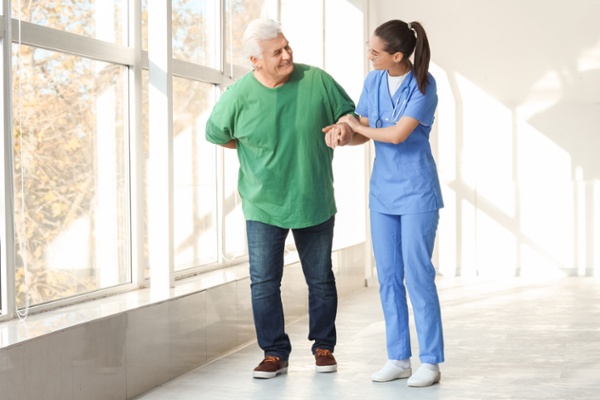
(277, 61)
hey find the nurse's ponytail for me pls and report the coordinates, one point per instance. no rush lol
(407, 38)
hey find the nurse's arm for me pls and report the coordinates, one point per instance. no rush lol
(353, 123)
(392, 134)
(358, 138)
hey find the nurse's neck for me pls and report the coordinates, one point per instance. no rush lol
(399, 69)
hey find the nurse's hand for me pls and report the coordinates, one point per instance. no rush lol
(350, 120)
(339, 134)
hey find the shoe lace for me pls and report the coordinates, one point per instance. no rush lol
(270, 359)
(323, 353)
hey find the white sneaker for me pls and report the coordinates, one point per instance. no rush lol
(389, 372)
(424, 377)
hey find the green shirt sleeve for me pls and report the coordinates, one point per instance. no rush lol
(342, 103)
(220, 124)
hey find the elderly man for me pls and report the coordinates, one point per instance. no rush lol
(273, 116)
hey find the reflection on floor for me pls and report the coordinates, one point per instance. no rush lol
(505, 339)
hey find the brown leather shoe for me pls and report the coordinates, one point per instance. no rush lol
(325, 361)
(270, 367)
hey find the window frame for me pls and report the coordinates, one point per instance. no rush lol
(25, 33)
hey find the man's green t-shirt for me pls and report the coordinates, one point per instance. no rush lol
(285, 177)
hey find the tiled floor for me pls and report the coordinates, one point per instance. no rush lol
(505, 339)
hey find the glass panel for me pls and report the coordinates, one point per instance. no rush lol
(146, 155)
(235, 244)
(145, 25)
(195, 188)
(71, 188)
(195, 31)
(350, 194)
(100, 19)
(238, 14)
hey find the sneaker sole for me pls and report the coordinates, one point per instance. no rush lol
(326, 368)
(437, 379)
(269, 375)
(401, 375)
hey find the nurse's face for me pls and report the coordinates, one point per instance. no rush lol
(380, 58)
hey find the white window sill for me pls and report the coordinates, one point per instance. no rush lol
(16, 331)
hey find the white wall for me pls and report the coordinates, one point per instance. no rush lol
(517, 132)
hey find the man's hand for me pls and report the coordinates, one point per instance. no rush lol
(339, 134)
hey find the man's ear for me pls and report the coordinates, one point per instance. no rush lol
(254, 61)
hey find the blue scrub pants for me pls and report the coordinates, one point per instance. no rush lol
(403, 246)
(266, 250)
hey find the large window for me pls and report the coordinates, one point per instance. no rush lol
(83, 193)
(67, 162)
(70, 175)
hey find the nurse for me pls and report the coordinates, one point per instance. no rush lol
(396, 110)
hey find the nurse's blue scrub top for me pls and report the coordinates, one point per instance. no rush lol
(404, 179)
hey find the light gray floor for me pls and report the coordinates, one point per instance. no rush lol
(505, 339)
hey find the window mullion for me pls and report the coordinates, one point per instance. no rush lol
(160, 169)
(136, 146)
(7, 234)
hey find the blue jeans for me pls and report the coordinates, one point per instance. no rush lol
(266, 249)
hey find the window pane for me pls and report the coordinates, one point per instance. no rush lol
(146, 155)
(350, 188)
(71, 197)
(145, 25)
(101, 19)
(195, 33)
(195, 228)
(235, 244)
(238, 14)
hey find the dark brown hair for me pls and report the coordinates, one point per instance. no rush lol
(407, 38)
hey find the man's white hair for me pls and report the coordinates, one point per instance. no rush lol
(257, 31)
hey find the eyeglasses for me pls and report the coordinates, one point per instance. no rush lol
(374, 54)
